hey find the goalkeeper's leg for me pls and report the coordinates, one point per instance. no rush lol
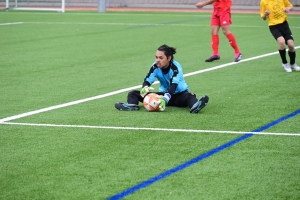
(132, 104)
(200, 104)
(189, 99)
(126, 106)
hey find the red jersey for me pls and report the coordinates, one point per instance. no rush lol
(222, 5)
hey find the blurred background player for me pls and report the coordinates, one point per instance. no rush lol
(221, 17)
(173, 89)
(276, 13)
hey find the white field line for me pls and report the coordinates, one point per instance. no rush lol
(129, 24)
(13, 23)
(132, 24)
(151, 129)
(136, 24)
(238, 15)
(66, 104)
(124, 90)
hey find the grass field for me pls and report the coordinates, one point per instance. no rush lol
(62, 138)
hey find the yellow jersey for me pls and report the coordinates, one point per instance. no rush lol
(277, 15)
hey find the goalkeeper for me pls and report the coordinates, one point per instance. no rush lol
(173, 89)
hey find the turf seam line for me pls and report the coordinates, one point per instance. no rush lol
(125, 90)
(198, 159)
(12, 23)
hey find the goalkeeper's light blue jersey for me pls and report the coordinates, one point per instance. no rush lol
(174, 75)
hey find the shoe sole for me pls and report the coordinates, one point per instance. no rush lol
(120, 107)
(211, 60)
(288, 70)
(297, 70)
(201, 106)
(238, 58)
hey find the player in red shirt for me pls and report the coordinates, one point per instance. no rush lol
(221, 17)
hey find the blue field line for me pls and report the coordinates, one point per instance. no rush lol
(277, 121)
(197, 159)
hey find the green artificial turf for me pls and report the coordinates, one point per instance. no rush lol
(90, 150)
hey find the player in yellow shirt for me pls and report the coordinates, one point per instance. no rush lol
(275, 11)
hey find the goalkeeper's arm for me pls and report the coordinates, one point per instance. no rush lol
(146, 83)
(146, 89)
(164, 100)
(172, 89)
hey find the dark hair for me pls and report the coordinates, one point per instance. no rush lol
(169, 51)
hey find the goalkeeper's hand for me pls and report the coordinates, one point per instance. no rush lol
(164, 101)
(145, 90)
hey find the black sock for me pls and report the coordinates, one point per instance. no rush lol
(292, 57)
(282, 55)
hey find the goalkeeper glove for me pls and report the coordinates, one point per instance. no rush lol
(145, 90)
(164, 101)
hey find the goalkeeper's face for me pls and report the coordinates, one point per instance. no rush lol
(162, 61)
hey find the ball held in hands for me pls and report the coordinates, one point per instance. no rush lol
(152, 102)
(164, 101)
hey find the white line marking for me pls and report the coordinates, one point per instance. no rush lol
(13, 23)
(67, 104)
(232, 63)
(137, 24)
(125, 90)
(164, 14)
(152, 129)
(121, 24)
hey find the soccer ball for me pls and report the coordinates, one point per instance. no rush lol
(151, 102)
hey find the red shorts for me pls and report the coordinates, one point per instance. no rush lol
(221, 18)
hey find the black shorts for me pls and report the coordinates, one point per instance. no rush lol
(181, 99)
(283, 30)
